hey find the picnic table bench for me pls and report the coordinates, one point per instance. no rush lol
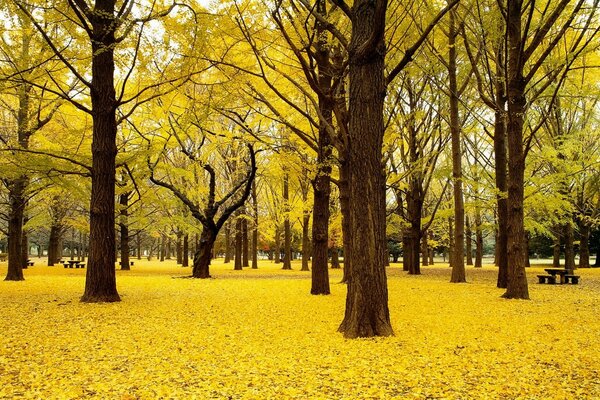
(73, 264)
(564, 276)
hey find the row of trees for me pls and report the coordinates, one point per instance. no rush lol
(412, 122)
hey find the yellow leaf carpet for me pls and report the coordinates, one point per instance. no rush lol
(259, 334)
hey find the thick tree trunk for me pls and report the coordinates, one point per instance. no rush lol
(344, 188)
(584, 245)
(320, 225)
(185, 262)
(457, 261)
(124, 231)
(517, 280)
(367, 312)
(556, 248)
(203, 253)
(321, 182)
(100, 282)
(501, 159)
(15, 230)
(569, 248)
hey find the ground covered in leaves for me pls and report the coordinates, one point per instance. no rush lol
(259, 334)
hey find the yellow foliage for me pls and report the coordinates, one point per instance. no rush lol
(259, 334)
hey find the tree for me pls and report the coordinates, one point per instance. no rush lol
(367, 312)
(208, 210)
(107, 26)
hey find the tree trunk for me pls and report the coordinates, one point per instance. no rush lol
(24, 247)
(501, 161)
(185, 261)
(277, 250)
(457, 262)
(255, 228)
(203, 253)
(556, 249)
(179, 247)
(344, 188)
(138, 245)
(478, 239)
(450, 240)
(584, 245)
(100, 282)
(468, 241)
(569, 248)
(163, 247)
(245, 243)
(15, 230)
(367, 312)
(124, 230)
(335, 258)
(424, 250)
(321, 182)
(305, 241)
(227, 243)
(287, 233)
(237, 264)
(517, 280)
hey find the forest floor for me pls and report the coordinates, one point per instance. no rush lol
(259, 334)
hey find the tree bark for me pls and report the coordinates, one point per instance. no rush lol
(584, 245)
(424, 250)
(255, 228)
(227, 243)
(478, 239)
(15, 229)
(367, 312)
(321, 182)
(245, 243)
(185, 261)
(457, 261)
(287, 232)
(305, 241)
(100, 282)
(556, 248)
(124, 230)
(237, 264)
(179, 247)
(203, 253)
(517, 280)
(468, 241)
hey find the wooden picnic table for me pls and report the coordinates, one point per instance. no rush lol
(565, 276)
(76, 264)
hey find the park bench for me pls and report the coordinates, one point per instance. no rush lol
(550, 278)
(29, 263)
(3, 257)
(573, 278)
